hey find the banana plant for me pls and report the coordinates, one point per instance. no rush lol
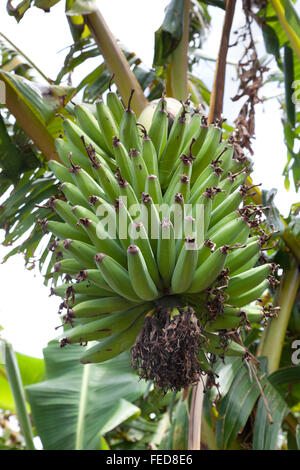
(132, 274)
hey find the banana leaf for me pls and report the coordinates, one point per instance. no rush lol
(276, 38)
(265, 434)
(236, 406)
(179, 431)
(281, 384)
(77, 404)
(32, 370)
(240, 392)
(19, 11)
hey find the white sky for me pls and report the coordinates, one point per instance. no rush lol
(26, 311)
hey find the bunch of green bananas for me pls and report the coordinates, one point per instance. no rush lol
(175, 288)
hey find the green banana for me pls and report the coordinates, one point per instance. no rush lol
(203, 129)
(205, 204)
(128, 134)
(208, 271)
(141, 280)
(63, 230)
(172, 148)
(115, 106)
(166, 251)
(214, 229)
(90, 126)
(227, 150)
(102, 208)
(193, 131)
(64, 149)
(236, 230)
(140, 172)
(60, 171)
(250, 296)
(199, 188)
(153, 188)
(82, 212)
(248, 265)
(95, 277)
(82, 252)
(105, 305)
(138, 236)
(228, 186)
(238, 258)
(116, 276)
(64, 210)
(67, 266)
(158, 131)
(231, 231)
(123, 160)
(184, 170)
(102, 241)
(74, 195)
(149, 155)
(82, 142)
(185, 267)
(230, 204)
(113, 345)
(106, 326)
(107, 181)
(84, 287)
(85, 183)
(182, 187)
(242, 283)
(207, 151)
(107, 124)
(237, 316)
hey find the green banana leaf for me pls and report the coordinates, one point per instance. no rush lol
(287, 381)
(44, 101)
(32, 371)
(179, 431)
(272, 213)
(276, 39)
(281, 383)
(240, 392)
(77, 404)
(265, 434)
(215, 3)
(35, 108)
(169, 34)
(235, 407)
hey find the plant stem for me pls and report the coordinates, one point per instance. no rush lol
(273, 338)
(291, 34)
(217, 94)
(116, 61)
(16, 386)
(194, 442)
(179, 63)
